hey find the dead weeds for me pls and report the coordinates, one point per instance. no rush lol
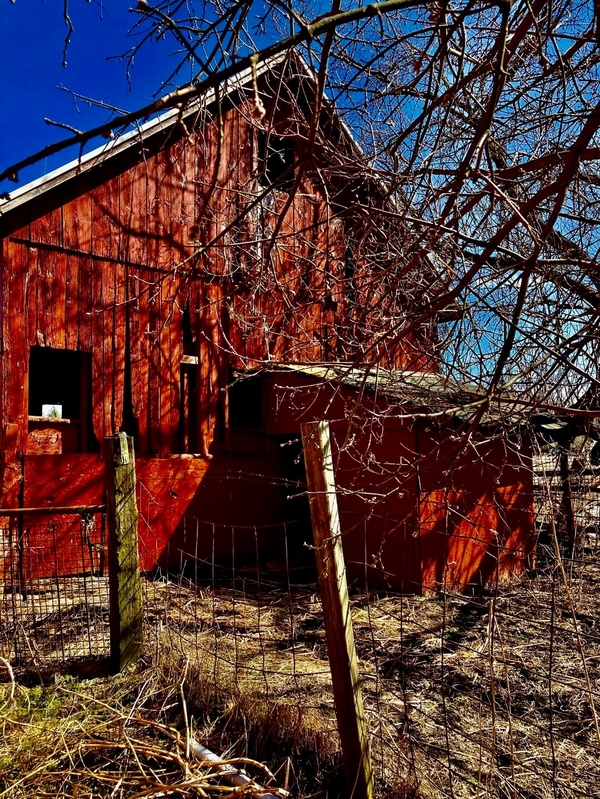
(466, 697)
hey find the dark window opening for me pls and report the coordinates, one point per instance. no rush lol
(245, 403)
(60, 393)
(55, 380)
(293, 471)
(275, 161)
(188, 426)
(291, 457)
(189, 340)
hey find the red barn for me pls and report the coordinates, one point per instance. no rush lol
(142, 280)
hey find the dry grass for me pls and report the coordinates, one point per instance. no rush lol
(126, 736)
(466, 697)
(488, 696)
(475, 697)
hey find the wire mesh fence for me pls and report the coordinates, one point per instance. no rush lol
(567, 494)
(253, 624)
(54, 604)
(487, 695)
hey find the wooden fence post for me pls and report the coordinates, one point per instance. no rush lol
(568, 511)
(126, 633)
(336, 609)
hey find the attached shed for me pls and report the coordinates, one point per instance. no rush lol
(431, 495)
(138, 281)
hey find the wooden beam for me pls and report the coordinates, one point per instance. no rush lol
(336, 609)
(126, 632)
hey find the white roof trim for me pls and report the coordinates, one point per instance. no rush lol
(162, 122)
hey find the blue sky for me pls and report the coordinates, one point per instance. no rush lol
(32, 35)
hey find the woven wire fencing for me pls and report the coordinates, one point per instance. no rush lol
(484, 695)
(254, 624)
(465, 696)
(487, 696)
(54, 603)
(559, 492)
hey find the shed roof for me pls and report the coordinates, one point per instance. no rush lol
(431, 394)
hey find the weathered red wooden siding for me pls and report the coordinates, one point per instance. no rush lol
(476, 524)
(420, 510)
(182, 502)
(110, 271)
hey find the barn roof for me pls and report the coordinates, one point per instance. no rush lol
(129, 139)
(163, 122)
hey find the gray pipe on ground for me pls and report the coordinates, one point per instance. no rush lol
(233, 776)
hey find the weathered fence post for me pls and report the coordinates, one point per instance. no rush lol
(567, 509)
(126, 634)
(336, 609)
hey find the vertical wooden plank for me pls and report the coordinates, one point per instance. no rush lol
(15, 354)
(86, 309)
(158, 204)
(155, 387)
(178, 187)
(12, 468)
(44, 308)
(77, 224)
(133, 249)
(109, 345)
(210, 356)
(163, 209)
(194, 296)
(119, 341)
(72, 309)
(158, 253)
(164, 344)
(172, 348)
(31, 287)
(138, 341)
(183, 197)
(99, 390)
(336, 609)
(133, 215)
(16, 351)
(126, 631)
(105, 219)
(57, 274)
